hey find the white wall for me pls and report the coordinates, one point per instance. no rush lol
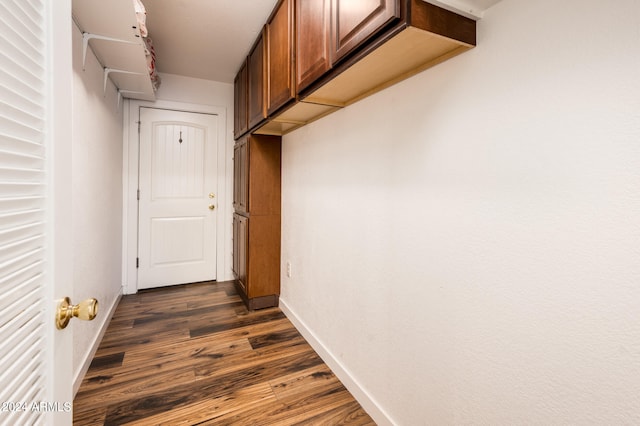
(197, 91)
(465, 244)
(96, 200)
(98, 128)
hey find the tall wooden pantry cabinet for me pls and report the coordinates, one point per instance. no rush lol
(256, 221)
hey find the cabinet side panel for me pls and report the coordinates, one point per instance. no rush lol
(264, 256)
(264, 174)
(439, 21)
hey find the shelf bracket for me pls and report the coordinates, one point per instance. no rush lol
(88, 36)
(108, 71)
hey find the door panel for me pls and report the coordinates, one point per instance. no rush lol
(313, 24)
(178, 178)
(256, 67)
(235, 261)
(165, 231)
(240, 248)
(243, 249)
(240, 101)
(177, 168)
(280, 50)
(241, 176)
(353, 22)
(36, 255)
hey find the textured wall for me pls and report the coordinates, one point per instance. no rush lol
(466, 243)
(96, 197)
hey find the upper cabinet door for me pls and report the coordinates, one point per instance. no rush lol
(313, 26)
(240, 95)
(280, 54)
(257, 98)
(353, 22)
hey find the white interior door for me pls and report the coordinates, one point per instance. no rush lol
(178, 197)
(35, 180)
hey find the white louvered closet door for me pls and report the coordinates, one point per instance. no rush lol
(25, 284)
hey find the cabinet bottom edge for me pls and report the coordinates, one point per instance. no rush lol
(253, 303)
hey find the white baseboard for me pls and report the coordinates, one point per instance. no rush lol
(106, 319)
(358, 392)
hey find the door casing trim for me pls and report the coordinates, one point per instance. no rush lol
(130, 168)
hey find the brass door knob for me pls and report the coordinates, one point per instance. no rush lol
(212, 195)
(211, 207)
(85, 310)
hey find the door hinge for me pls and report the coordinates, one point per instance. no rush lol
(137, 262)
(138, 194)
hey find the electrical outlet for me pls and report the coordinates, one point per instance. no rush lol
(289, 269)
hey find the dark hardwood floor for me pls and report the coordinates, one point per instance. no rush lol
(193, 354)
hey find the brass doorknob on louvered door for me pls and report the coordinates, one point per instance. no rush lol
(85, 310)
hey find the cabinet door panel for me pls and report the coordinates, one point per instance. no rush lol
(240, 95)
(281, 83)
(235, 255)
(353, 22)
(241, 177)
(241, 232)
(313, 25)
(256, 67)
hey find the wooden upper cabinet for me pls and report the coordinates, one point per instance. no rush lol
(313, 26)
(346, 50)
(280, 56)
(257, 71)
(240, 99)
(354, 22)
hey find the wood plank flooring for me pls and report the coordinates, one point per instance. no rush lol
(194, 355)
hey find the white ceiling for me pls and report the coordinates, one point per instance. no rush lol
(206, 39)
(209, 39)
(473, 9)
